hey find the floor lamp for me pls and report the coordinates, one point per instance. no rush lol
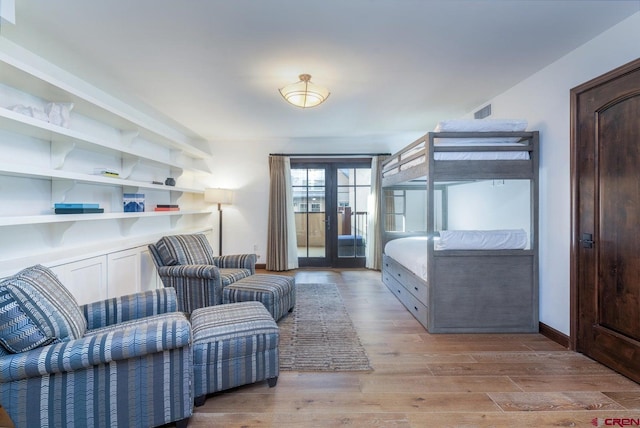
(219, 196)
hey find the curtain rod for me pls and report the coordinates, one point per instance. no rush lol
(318, 155)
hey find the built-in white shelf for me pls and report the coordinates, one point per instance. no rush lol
(33, 171)
(65, 140)
(55, 163)
(64, 218)
(48, 86)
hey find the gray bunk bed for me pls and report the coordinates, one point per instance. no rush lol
(461, 230)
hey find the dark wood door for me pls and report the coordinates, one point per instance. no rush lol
(606, 219)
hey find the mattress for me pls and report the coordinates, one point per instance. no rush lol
(481, 125)
(411, 252)
(458, 156)
(507, 239)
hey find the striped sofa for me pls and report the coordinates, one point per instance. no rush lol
(122, 362)
(186, 263)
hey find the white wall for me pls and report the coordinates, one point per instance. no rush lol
(543, 99)
(244, 166)
(490, 204)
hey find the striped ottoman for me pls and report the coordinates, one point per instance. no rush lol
(233, 345)
(276, 292)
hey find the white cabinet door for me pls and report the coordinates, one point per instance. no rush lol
(149, 278)
(123, 272)
(86, 279)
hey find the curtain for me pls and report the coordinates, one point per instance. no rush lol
(374, 226)
(282, 252)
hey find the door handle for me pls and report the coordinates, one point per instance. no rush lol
(587, 240)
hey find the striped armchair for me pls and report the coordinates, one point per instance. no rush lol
(121, 362)
(187, 263)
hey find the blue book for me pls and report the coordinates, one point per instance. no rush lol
(77, 205)
(133, 202)
(79, 210)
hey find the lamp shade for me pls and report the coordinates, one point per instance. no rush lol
(304, 94)
(218, 196)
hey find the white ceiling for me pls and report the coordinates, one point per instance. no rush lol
(393, 66)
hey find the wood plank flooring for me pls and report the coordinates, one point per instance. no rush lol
(424, 380)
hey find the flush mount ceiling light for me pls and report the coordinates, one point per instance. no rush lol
(304, 94)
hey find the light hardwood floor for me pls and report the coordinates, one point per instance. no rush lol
(424, 380)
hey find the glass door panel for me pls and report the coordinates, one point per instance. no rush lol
(309, 205)
(353, 189)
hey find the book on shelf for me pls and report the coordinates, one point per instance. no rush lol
(167, 205)
(133, 202)
(106, 172)
(75, 205)
(166, 209)
(79, 210)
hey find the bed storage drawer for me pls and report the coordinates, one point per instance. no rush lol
(408, 300)
(414, 285)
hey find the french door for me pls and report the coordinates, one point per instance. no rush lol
(330, 200)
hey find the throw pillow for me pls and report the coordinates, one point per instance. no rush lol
(18, 331)
(47, 303)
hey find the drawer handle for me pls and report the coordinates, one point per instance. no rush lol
(415, 288)
(398, 291)
(399, 275)
(416, 308)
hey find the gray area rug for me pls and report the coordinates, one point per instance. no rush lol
(319, 335)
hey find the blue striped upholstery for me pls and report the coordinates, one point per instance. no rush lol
(229, 276)
(124, 371)
(185, 250)
(186, 263)
(237, 261)
(196, 286)
(133, 306)
(18, 331)
(276, 292)
(233, 345)
(47, 304)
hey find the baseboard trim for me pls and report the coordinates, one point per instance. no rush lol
(553, 334)
(261, 265)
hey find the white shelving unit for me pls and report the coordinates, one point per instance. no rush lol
(30, 79)
(138, 135)
(41, 163)
(64, 140)
(68, 218)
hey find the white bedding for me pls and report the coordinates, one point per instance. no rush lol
(507, 239)
(517, 155)
(480, 125)
(411, 252)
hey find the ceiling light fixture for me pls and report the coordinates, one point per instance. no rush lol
(304, 94)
